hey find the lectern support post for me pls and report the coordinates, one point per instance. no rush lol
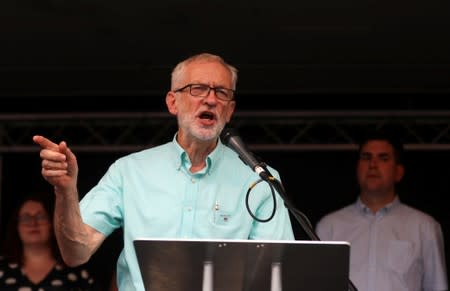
(208, 276)
(275, 280)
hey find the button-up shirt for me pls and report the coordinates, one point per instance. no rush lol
(152, 193)
(398, 248)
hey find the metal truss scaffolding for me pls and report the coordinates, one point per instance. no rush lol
(261, 130)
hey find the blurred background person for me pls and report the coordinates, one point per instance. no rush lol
(30, 258)
(394, 247)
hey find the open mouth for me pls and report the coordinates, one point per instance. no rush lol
(207, 115)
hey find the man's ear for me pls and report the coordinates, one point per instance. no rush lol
(231, 110)
(399, 173)
(171, 102)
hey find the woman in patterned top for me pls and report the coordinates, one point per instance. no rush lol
(31, 259)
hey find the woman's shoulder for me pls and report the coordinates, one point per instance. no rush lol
(6, 264)
(10, 274)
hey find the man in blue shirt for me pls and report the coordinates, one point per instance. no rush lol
(191, 187)
(394, 247)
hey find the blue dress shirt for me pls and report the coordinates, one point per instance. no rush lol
(399, 248)
(152, 193)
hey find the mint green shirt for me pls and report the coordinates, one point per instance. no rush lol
(151, 193)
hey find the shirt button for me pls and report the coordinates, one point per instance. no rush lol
(189, 209)
(193, 180)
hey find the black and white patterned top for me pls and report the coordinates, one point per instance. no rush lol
(60, 278)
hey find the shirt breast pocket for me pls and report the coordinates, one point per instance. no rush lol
(221, 218)
(400, 255)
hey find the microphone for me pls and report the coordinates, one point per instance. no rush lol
(230, 138)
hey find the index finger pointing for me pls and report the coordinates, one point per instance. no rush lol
(45, 143)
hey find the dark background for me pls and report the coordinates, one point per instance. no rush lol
(111, 48)
(104, 56)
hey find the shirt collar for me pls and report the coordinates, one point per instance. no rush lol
(385, 209)
(181, 158)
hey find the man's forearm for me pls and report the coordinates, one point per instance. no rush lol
(73, 237)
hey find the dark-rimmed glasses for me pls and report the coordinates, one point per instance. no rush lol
(202, 90)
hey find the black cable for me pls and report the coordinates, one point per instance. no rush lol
(248, 207)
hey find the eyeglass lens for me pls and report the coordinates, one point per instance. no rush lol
(29, 219)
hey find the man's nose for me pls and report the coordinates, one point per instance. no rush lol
(211, 93)
(373, 162)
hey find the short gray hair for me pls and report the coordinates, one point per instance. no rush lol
(178, 71)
